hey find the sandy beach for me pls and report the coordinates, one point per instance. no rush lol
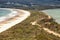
(22, 15)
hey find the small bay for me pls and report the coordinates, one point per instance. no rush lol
(55, 13)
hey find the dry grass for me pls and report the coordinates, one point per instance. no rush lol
(25, 31)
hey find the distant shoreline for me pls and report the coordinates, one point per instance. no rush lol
(54, 13)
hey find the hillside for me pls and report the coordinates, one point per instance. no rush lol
(26, 31)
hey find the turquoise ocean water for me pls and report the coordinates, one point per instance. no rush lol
(4, 12)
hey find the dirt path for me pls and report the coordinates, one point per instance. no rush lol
(46, 29)
(51, 32)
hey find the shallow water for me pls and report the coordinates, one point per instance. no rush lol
(55, 13)
(4, 12)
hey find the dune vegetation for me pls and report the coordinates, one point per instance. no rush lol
(26, 31)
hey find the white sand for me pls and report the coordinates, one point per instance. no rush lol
(12, 23)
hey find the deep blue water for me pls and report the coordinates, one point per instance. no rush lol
(40, 2)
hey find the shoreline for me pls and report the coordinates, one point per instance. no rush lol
(3, 18)
(54, 17)
(11, 23)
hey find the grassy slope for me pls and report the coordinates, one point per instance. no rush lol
(25, 31)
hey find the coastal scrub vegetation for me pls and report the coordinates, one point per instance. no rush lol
(26, 31)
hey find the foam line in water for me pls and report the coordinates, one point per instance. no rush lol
(18, 20)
